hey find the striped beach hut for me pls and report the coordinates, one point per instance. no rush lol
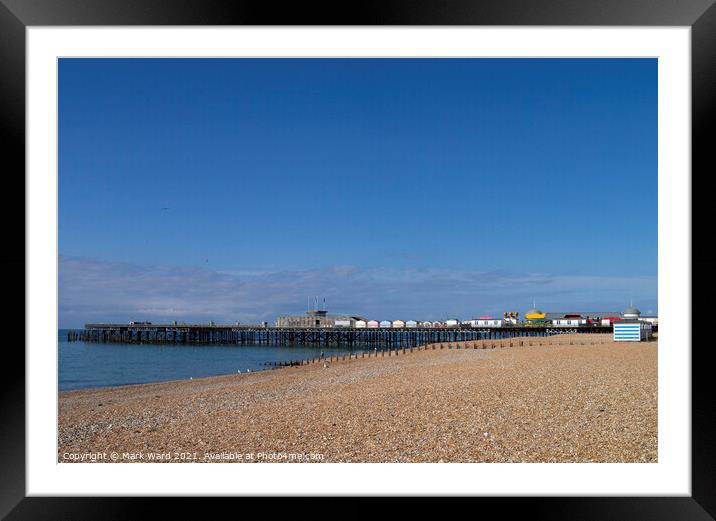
(373, 324)
(631, 331)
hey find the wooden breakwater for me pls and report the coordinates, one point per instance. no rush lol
(523, 341)
(383, 338)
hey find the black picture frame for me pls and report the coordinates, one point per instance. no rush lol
(16, 15)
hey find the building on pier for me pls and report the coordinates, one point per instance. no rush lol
(317, 318)
(583, 318)
(373, 324)
(632, 313)
(610, 320)
(535, 316)
(570, 321)
(487, 322)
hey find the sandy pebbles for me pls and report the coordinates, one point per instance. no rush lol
(574, 398)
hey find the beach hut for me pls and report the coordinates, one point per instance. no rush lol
(361, 324)
(386, 323)
(632, 331)
(411, 323)
(373, 324)
(452, 322)
(398, 323)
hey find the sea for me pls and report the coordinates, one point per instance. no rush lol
(83, 365)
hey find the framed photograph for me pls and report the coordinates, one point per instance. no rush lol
(420, 251)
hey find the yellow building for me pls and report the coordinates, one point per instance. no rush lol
(535, 315)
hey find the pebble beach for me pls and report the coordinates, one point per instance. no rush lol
(566, 398)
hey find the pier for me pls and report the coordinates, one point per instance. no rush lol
(386, 338)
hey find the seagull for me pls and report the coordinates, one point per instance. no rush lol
(165, 208)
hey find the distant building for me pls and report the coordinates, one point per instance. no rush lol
(386, 323)
(426, 324)
(452, 322)
(398, 323)
(373, 324)
(582, 318)
(632, 313)
(566, 322)
(317, 318)
(535, 316)
(487, 322)
(360, 324)
(411, 323)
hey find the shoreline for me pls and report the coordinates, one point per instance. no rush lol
(565, 398)
(467, 344)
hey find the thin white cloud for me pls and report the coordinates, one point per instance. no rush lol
(93, 290)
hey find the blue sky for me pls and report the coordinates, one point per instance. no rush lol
(232, 189)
